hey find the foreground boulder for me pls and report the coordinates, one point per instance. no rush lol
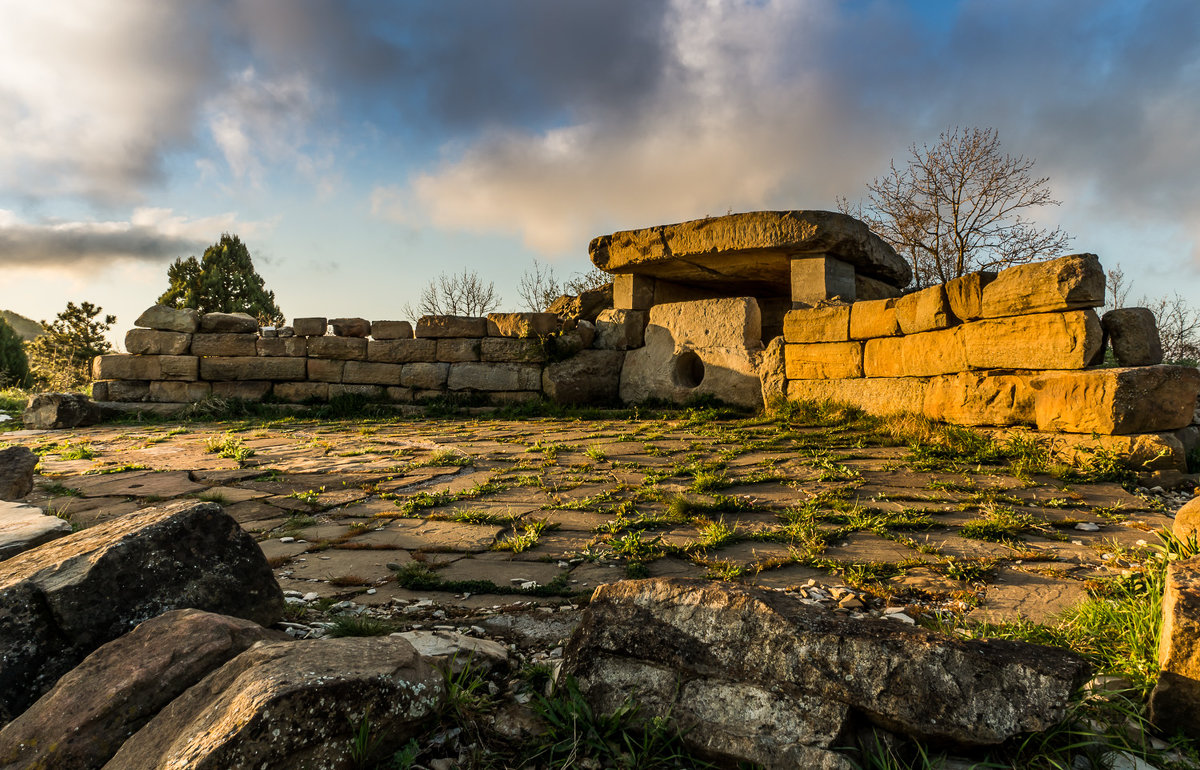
(754, 675)
(16, 472)
(117, 689)
(25, 526)
(294, 705)
(49, 411)
(1175, 701)
(62, 600)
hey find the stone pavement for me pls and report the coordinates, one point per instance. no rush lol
(477, 513)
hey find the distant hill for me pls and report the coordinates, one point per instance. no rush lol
(26, 328)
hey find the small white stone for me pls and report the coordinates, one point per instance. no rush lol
(903, 617)
(288, 539)
(371, 592)
(1087, 526)
(311, 596)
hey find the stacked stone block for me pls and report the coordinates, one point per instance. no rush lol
(181, 356)
(1018, 347)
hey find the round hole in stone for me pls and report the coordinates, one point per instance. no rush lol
(689, 370)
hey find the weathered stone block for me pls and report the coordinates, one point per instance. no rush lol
(424, 376)
(521, 324)
(965, 294)
(231, 323)
(350, 327)
(1133, 332)
(344, 348)
(225, 345)
(824, 360)
(588, 377)
(507, 349)
(819, 278)
(17, 464)
(310, 327)
(127, 367)
(369, 392)
(399, 395)
(157, 343)
(494, 376)
(401, 351)
(298, 392)
(128, 390)
(371, 374)
(181, 368)
(621, 329)
(46, 411)
(695, 348)
(1144, 399)
(1070, 340)
(251, 368)
(325, 370)
(451, 350)
(1067, 283)
(585, 306)
(981, 398)
(915, 355)
(923, 311)
(817, 324)
(179, 392)
(170, 319)
(391, 330)
(23, 527)
(246, 390)
(281, 346)
(875, 318)
(633, 292)
(1175, 701)
(772, 373)
(867, 289)
(440, 326)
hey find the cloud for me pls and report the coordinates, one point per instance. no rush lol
(150, 235)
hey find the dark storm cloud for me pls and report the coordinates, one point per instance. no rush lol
(89, 245)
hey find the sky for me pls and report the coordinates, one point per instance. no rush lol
(361, 148)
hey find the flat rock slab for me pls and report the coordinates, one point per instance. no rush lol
(502, 573)
(1027, 595)
(138, 484)
(444, 535)
(25, 526)
(748, 253)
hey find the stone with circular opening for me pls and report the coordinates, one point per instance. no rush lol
(689, 370)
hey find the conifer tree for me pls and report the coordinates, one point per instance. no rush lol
(223, 280)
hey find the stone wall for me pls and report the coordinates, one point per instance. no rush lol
(178, 356)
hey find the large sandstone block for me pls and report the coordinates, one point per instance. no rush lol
(295, 705)
(1139, 452)
(818, 324)
(157, 343)
(169, 319)
(246, 390)
(456, 349)
(1144, 399)
(752, 675)
(47, 411)
(310, 327)
(358, 390)
(391, 330)
(23, 527)
(521, 324)
(252, 368)
(118, 688)
(401, 351)
(924, 311)
(706, 347)
(494, 376)
(772, 373)
(342, 348)
(225, 344)
(981, 398)
(281, 346)
(1133, 332)
(1067, 283)
(965, 294)
(128, 390)
(299, 392)
(232, 323)
(424, 376)
(350, 327)
(824, 360)
(916, 355)
(179, 392)
(371, 374)
(1175, 701)
(621, 329)
(16, 472)
(584, 307)
(633, 292)
(874, 318)
(1070, 340)
(62, 600)
(508, 349)
(588, 377)
(816, 279)
(748, 252)
(324, 369)
(127, 367)
(875, 395)
(440, 326)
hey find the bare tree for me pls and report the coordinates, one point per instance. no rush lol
(1118, 289)
(1178, 328)
(539, 287)
(462, 293)
(959, 206)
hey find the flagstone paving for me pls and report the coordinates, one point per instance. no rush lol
(479, 511)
